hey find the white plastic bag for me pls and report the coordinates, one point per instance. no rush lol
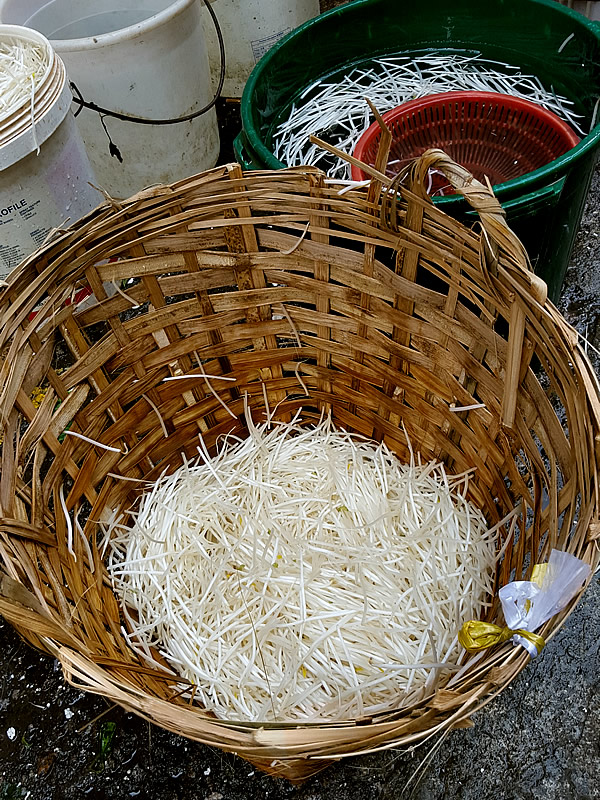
(527, 605)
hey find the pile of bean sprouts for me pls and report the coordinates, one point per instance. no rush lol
(23, 65)
(335, 110)
(302, 573)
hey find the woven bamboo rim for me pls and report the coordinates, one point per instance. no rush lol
(402, 313)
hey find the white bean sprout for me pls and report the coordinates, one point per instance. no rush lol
(335, 110)
(23, 65)
(303, 573)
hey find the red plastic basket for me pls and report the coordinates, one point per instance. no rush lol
(491, 134)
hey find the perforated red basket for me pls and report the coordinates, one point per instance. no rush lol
(491, 134)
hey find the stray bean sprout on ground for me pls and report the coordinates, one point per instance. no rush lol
(335, 110)
(302, 574)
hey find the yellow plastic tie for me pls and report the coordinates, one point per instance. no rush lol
(538, 573)
(476, 635)
(537, 576)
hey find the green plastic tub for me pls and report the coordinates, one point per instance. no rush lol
(543, 207)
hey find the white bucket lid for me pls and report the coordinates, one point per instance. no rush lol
(22, 132)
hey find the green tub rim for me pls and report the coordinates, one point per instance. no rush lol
(538, 178)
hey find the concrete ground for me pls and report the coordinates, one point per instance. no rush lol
(539, 739)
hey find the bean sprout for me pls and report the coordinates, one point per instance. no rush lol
(302, 573)
(92, 441)
(334, 108)
(23, 65)
(566, 42)
(199, 375)
(161, 421)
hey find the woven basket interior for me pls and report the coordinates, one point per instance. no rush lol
(265, 277)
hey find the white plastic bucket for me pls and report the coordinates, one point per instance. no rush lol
(589, 8)
(250, 28)
(143, 58)
(41, 191)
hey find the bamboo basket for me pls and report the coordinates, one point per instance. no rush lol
(402, 314)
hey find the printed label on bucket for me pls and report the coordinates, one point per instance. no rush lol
(12, 219)
(261, 46)
(42, 192)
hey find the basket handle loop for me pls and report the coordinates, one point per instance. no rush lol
(496, 233)
(528, 288)
(481, 198)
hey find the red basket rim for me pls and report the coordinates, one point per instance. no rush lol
(432, 100)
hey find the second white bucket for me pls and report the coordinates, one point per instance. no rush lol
(144, 58)
(250, 28)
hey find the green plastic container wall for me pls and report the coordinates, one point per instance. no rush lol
(543, 207)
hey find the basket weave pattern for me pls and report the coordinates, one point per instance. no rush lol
(392, 314)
